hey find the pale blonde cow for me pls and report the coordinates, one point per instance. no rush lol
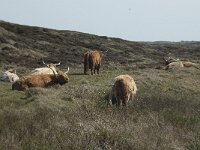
(9, 76)
(50, 69)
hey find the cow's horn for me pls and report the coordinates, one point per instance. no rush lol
(58, 64)
(67, 70)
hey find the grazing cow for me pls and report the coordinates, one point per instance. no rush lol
(123, 90)
(50, 69)
(44, 80)
(9, 76)
(92, 61)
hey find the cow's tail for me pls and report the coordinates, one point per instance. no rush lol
(86, 62)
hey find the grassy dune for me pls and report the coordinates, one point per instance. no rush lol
(164, 115)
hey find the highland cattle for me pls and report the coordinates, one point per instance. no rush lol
(9, 76)
(43, 80)
(49, 69)
(92, 61)
(123, 90)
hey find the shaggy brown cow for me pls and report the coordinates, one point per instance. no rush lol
(92, 61)
(123, 90)
(45, 80)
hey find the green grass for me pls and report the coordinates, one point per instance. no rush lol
(164, 115)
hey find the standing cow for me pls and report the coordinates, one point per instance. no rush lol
(123, 90)
(92, 61)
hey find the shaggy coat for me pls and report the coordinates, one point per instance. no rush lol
(40, 81)
(9, 76)
(123, 90)
(50, 69)
(92, 61)
(189, 64)
(181, 64)
(174, 65)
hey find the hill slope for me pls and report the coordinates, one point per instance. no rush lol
(164, 115)
(27, 46)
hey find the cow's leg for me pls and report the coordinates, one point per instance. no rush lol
(124, 101)
(132, 95)
(111, 95)
(98, 67)
(128, 98)
(92, 71)
(118, 102)
(110, 98)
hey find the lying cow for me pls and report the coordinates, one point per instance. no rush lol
(174, 65)
(123, 90)
(181, 64)
(9, 76)
(189, 64)
(45, 80)
(92, 61)
(50, 69)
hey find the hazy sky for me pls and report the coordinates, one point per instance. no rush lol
(135, 20)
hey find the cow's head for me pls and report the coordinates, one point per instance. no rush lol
(170, 60)
(62, 77)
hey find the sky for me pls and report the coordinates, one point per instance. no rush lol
(134, 20)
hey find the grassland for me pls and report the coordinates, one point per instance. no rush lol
(164, 115)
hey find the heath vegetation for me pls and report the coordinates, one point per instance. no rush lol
(164, 115)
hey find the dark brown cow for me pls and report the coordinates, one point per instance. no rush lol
(92, 61)
(44, 80)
